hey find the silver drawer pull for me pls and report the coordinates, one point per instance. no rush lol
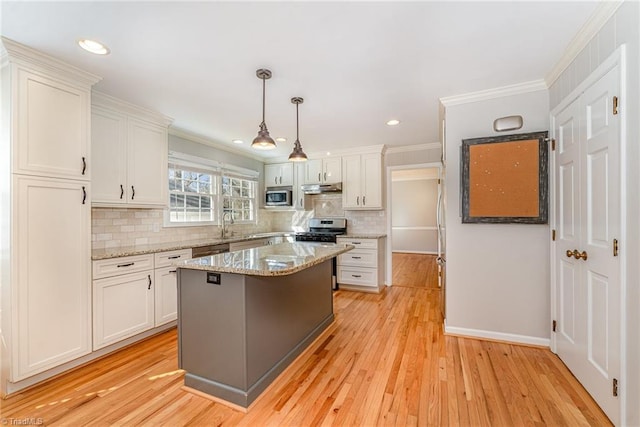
(129, 264)
(356, 257)
(356, 275)
(356, 243)
(173, 271)
(174, 257)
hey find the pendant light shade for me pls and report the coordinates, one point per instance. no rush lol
(297, 155)
(263, 141)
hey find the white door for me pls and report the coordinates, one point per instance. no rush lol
(588, 207)
(52, 288)
(147, 163)
(351, 187)
(109, 147)
(313, 171)
(332, 170)
(166, 295)
(53, 128)
(371, 181)
(122, 307)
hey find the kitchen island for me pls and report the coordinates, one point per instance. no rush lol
(244, 316)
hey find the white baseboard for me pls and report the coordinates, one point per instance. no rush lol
(414, 252)
(496, 336)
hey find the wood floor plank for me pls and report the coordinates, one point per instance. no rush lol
(384, 361)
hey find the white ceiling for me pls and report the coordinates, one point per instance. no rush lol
(356, 64)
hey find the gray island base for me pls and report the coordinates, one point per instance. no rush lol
(238, 332)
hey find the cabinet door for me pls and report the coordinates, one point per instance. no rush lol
(299, 198)
(122, 307)
(271, 175)
(286, 173)
(332, 170)
(351, 189)
(109, 147)
(166, 295)
(147, 163)
(313, 171)
(371, 181)
(52, 136)
(52, 284)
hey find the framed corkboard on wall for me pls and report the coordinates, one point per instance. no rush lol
(505, 179)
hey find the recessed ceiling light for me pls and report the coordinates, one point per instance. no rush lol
(393, 122)
(238, 141)
(93, 47)
(281, 139)
(328, 153)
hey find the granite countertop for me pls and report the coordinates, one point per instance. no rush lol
(362, 236)
(274, 260)
(107, 253)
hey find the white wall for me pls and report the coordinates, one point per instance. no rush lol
(413, 223)
(497, 274)
(622, 28)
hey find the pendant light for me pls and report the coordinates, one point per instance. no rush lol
(263, 141)
(297, 155)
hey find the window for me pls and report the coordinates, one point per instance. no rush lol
(239, 198)
(200, 190)
(192, 195)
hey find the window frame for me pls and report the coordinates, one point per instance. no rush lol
(218, 172)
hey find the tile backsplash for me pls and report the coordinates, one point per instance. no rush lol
(121, 227)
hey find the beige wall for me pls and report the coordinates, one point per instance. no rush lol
(497, 274)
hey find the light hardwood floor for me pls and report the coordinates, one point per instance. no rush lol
(414, 270)
(384, 361)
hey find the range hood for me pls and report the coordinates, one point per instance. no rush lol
(322, 188)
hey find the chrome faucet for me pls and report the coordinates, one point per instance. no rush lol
(226, 216)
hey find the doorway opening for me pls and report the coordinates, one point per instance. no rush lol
(414, 237)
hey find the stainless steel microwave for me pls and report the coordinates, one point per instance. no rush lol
(278, 196)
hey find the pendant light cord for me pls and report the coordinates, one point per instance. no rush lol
(297, 125)
(263, 96)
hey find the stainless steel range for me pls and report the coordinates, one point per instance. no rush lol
(325, 230)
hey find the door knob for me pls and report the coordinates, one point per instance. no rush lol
(579, 255)
(569, 253)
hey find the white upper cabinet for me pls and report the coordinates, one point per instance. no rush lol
(131, 150)
(278, 174)
(362, 182)
(299, 198)
(323, 171)
(52, 132)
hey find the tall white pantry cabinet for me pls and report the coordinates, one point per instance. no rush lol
(45, 232)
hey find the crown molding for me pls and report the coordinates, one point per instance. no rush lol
(417, 147)
(498, 92)
(604, 11)
(29, 57)
(101, 99)
(193, 137)
(315, 155)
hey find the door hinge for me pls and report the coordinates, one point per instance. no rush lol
(555, 325)
(553, 235)
(615, 387)
(615, 247)
(615, 105)
(553, 144)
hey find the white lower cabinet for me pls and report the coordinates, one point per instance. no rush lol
(123, 306)
(166, 285)
(361, 268)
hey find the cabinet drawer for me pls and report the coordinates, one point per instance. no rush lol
(116, 266)
(359, 258)
(165, 259)
(358, 276)
(359, 243)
